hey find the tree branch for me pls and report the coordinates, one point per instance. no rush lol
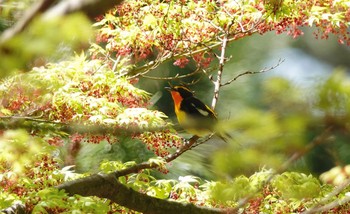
(217, 82)
(280, 61)
(27, 18)
(150, 66)
(222, 61)
(177, 76)
(91, 8)
(107, 186)
(148, 165)
(30, 123)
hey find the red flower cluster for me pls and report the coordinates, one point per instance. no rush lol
(160, 142)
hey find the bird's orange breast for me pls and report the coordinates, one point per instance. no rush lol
(177, 100)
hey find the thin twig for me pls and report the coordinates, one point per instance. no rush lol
(188, 145)
(33, 119)
(280, 61)
(135, 72)
(214, 25)
(116, 62)
(197, 143)
(171, 56)
(149, 66)
(194, 82)
(177, 76)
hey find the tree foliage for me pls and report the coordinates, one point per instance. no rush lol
(60, 109)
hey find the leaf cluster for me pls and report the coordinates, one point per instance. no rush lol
(148, 33)
(85, 92)
(35, 190)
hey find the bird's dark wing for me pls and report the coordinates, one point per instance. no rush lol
(197, 108)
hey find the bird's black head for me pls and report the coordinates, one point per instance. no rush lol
(182, 90)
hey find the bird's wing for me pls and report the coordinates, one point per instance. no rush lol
(197, 108)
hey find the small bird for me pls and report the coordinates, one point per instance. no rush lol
(192, 114)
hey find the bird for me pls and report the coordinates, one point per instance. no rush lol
(193, 115)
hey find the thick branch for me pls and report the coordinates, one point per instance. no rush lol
(107, 186)
(91, 8)
(27, 18)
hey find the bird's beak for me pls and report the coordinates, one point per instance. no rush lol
(169, 89)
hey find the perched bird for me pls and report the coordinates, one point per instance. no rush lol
(192, 114)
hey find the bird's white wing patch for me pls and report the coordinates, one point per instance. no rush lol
(201, 111)
(204, 113)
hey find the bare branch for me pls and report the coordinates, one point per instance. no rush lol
(115, 64)
(280, 61)
(176, 77)
(217, 82)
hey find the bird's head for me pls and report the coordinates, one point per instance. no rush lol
(180, 91)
